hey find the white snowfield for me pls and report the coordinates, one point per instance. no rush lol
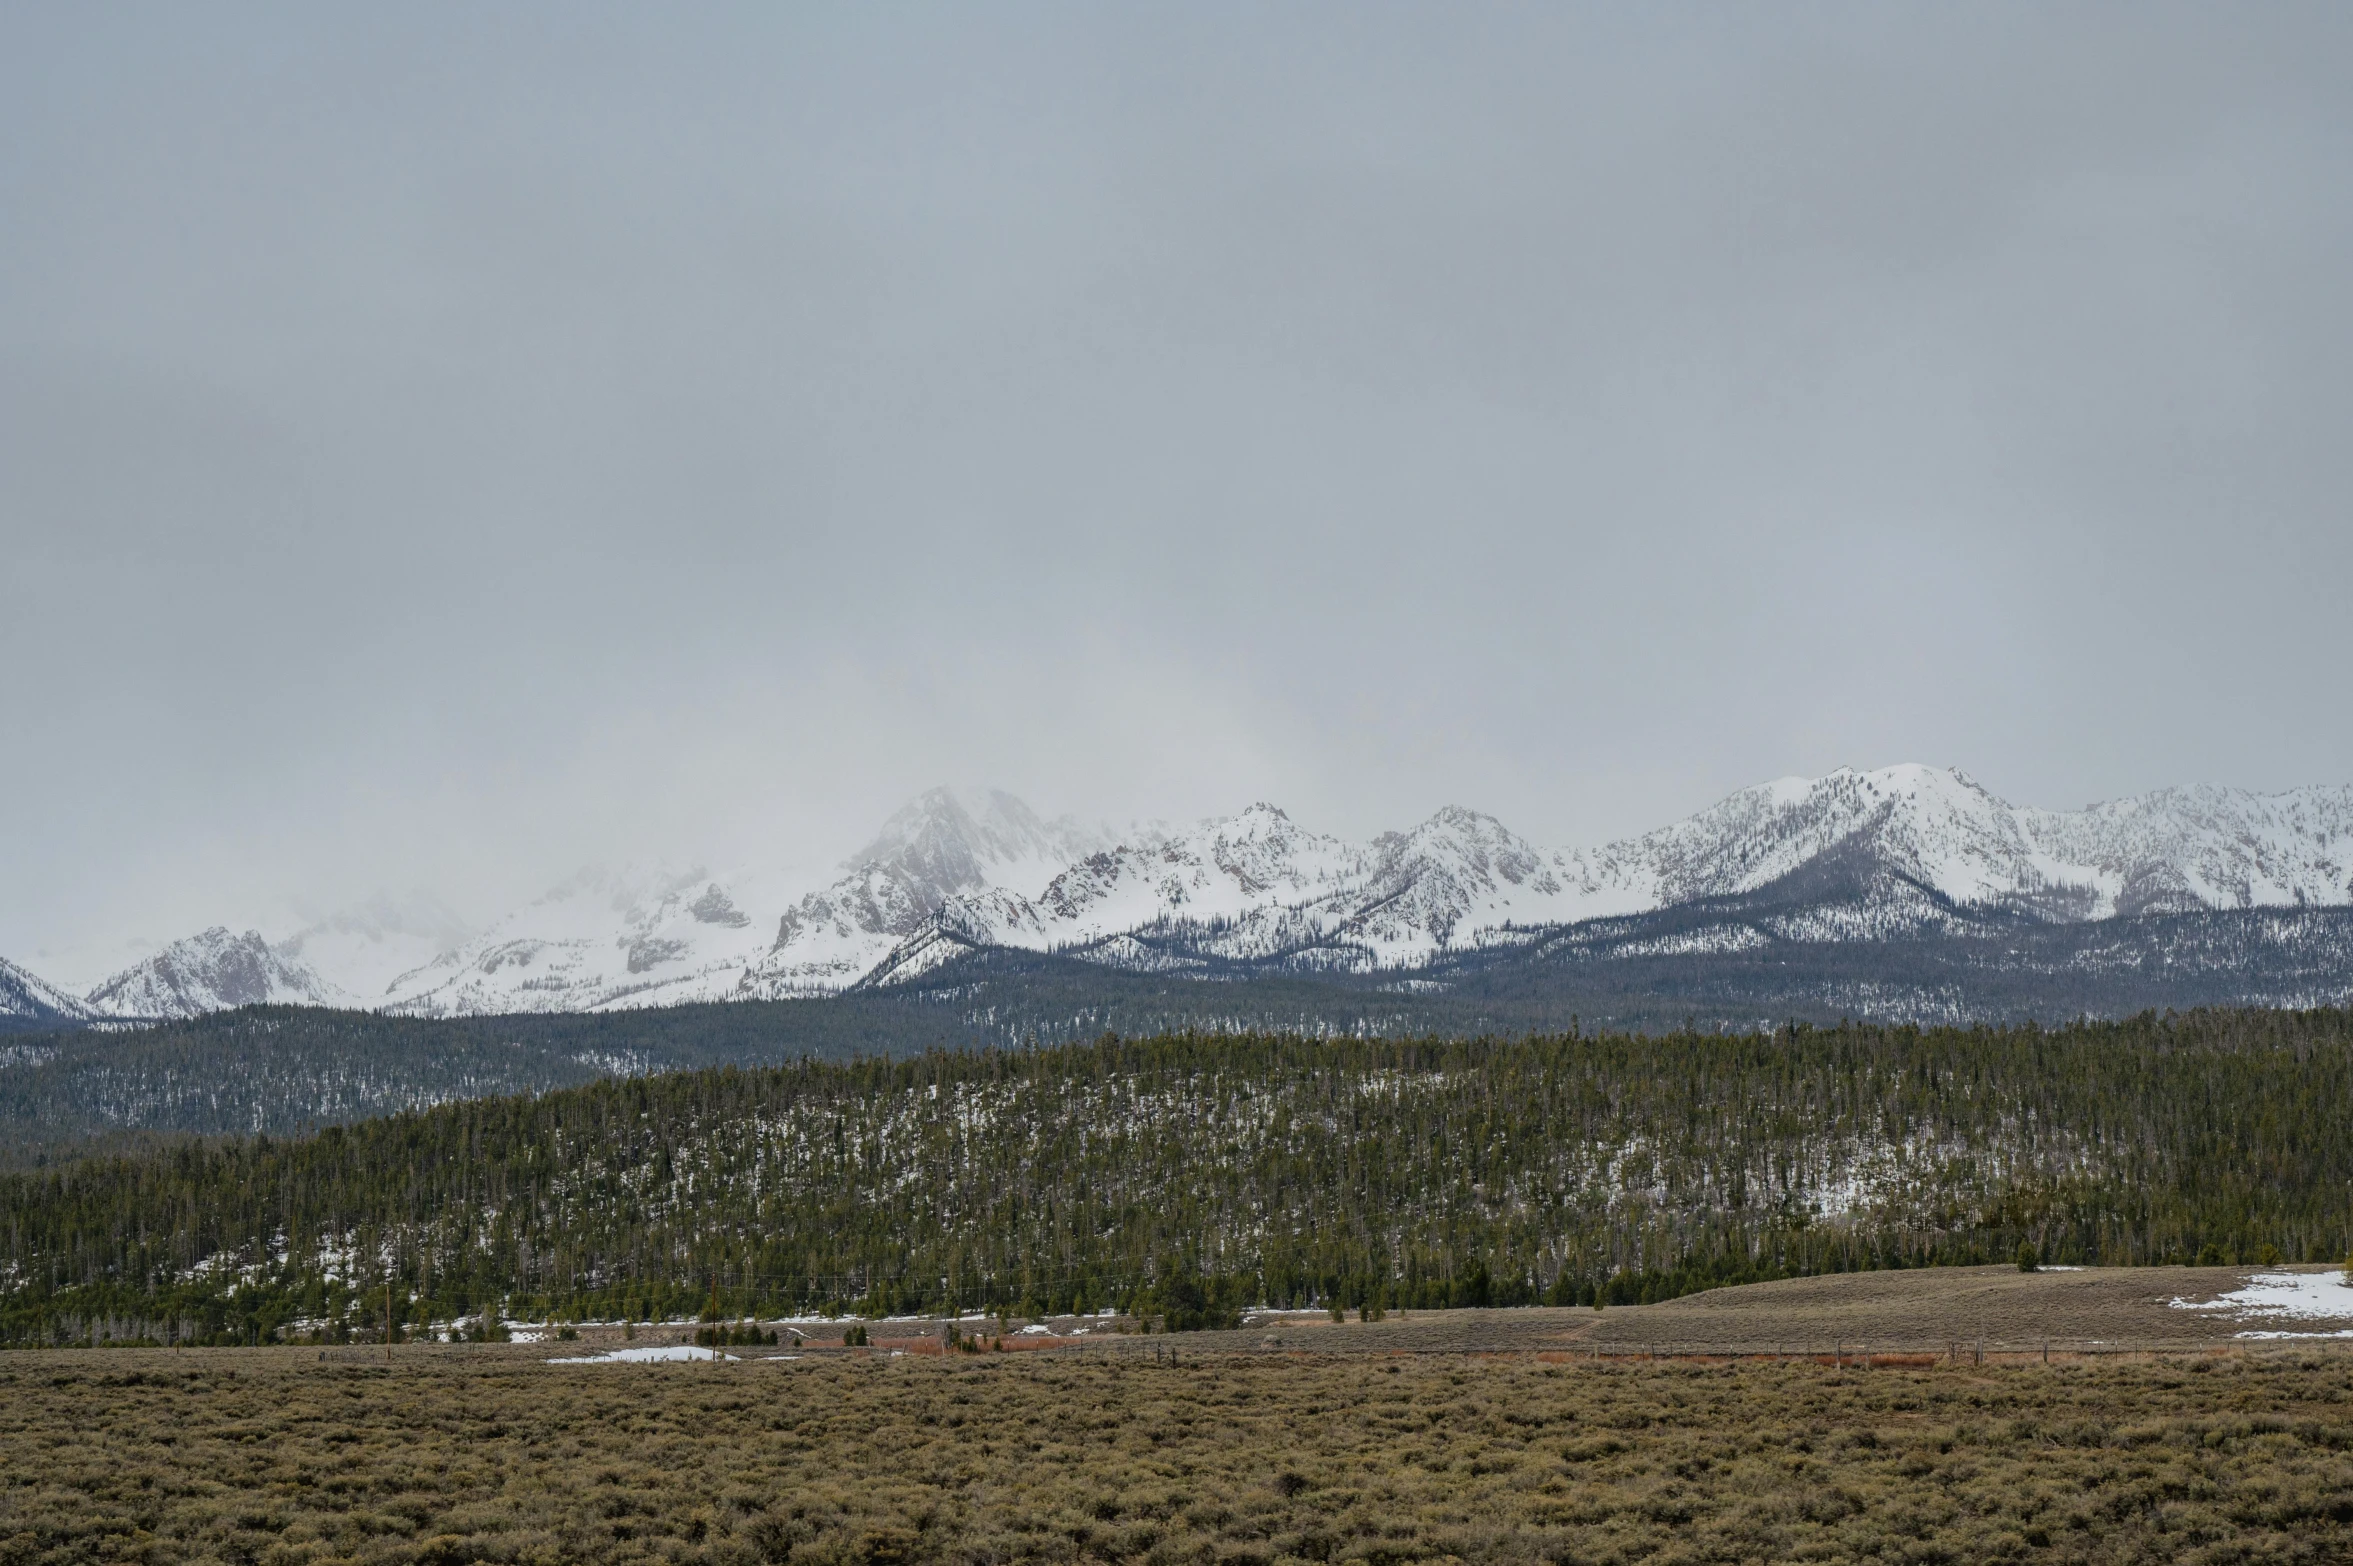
(955, 869)
(2285, 1297)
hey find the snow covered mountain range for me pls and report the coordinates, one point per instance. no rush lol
(1856, 856)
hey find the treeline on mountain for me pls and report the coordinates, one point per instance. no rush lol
(1710, 966)
(287, 1069)
(1189, 1175)
(1726, 960)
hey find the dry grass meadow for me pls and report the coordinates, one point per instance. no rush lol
(1477, 1436)
(488, 1453)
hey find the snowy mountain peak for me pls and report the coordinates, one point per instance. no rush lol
(1852, 855)
(1456, 845)
(212, 971)
(966, 820)
(945, 846)
(1933, 824)
(1456, 831)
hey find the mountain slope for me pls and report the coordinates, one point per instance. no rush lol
(27, 1002)
(2215, 848)
(2182, 849)
(605, 938)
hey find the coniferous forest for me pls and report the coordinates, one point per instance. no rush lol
(1189, 1175)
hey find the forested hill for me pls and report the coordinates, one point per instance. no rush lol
(284, 1070)
(1204, 1171)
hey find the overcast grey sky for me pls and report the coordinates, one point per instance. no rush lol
(439, 447)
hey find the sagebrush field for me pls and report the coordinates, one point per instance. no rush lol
(273, 1456)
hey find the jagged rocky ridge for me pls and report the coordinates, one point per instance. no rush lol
(1855, 857)
(1904, 854)
(213, 971)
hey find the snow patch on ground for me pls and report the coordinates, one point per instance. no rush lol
(2284, 1296)
(669, 1353)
